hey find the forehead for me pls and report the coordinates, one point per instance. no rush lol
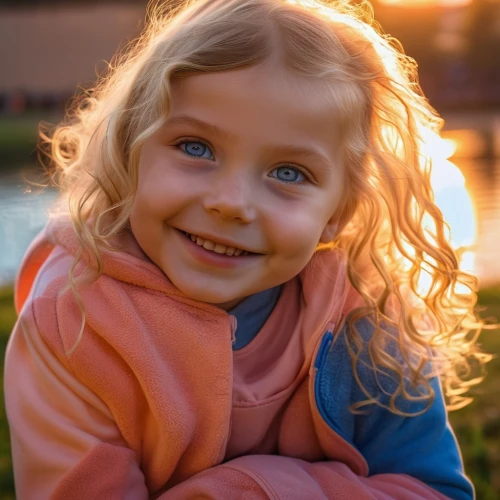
(261, 104)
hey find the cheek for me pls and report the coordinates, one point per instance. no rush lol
(159, 193)
(142, 225)
(149, 210)
(296, 232)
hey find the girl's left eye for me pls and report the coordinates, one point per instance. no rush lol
(195, 149)
(289, 174)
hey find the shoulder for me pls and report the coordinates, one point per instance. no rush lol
(41, 281)
(348, 352)
(348, 376)
(422, 446)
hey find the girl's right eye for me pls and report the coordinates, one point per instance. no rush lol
(195, 149)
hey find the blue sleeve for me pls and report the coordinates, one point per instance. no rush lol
(423, 447)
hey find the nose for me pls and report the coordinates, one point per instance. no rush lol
(230, 197)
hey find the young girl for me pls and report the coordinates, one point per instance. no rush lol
(233, 306)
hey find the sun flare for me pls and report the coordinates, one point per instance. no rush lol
(455, 203)
(451, 195)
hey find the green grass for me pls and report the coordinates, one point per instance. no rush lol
(477, 425)
(7, 319)
(18, 137)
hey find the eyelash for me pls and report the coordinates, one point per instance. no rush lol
(201, 141)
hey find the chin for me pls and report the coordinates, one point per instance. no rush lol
(209, 296)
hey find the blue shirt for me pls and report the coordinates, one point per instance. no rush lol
(252, 313)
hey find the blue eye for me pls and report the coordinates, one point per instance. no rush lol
(195, 149)
(289, 174)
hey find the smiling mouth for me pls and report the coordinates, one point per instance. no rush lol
(218, 248)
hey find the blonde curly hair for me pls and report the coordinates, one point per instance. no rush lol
(389, 226)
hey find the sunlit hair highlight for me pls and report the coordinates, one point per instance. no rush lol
(389, 227)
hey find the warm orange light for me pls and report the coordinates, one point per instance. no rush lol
(467, 143)
(427, 3)
(451, 196)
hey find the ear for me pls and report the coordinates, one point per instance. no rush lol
(330, 231)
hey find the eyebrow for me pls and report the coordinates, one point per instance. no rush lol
(190, 120)
(226, 135)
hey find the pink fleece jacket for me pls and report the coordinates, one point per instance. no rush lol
(142, 408)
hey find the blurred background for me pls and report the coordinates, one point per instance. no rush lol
(48, 49)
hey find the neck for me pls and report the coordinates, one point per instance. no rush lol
(230, 304)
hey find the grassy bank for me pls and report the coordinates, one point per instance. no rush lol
(7, 319)
(477, 426)
(18, 138)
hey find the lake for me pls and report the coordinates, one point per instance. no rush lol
(23, 213)
(24, 208)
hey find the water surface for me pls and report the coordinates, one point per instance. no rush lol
(24, 211)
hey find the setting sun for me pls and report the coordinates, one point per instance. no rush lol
(452, 197)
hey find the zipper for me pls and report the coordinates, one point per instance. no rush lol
(233, 323)
(223, 450)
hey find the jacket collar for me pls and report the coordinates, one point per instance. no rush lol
(326, 293)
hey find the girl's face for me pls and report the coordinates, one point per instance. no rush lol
(249, 161)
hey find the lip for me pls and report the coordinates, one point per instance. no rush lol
(221, 241)
(211, 258)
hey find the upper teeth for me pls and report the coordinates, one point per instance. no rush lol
(216, 247)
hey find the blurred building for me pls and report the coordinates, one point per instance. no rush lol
(49, 48)
(46, 52)
(456, 44)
